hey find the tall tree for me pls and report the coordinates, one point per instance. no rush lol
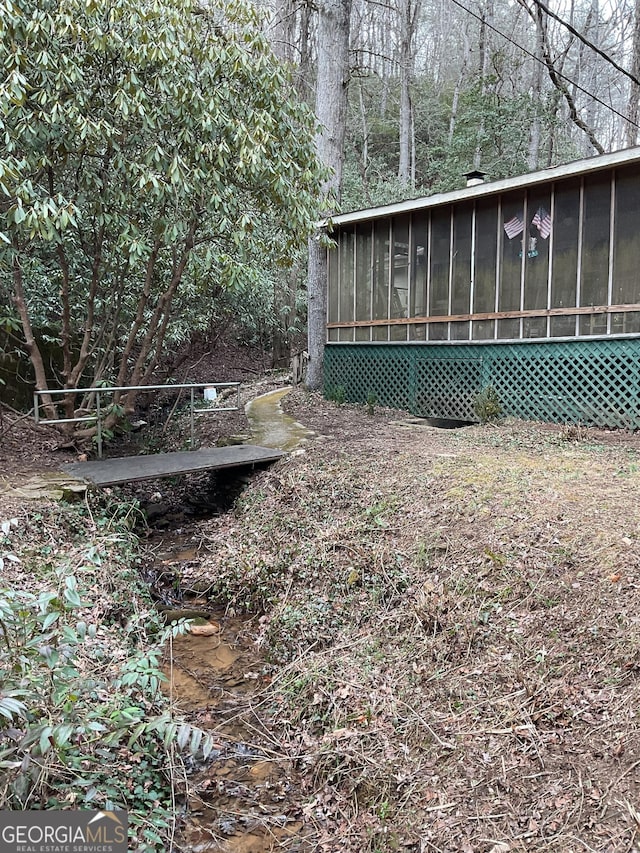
(408, 13)
(633, 107)
(332, 84)
(289, 36)
(535, 133)
(538, 15)
(484, 45)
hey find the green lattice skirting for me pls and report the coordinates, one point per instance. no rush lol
(591, 382)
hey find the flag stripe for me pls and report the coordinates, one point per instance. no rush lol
(542, 221)
(514, 226)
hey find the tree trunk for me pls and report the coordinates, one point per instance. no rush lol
(153, 339)
(458, 87)
(633, 108)
(557, 80)
(533, 156)
(365, 129)
(32, 345)
(290, 41)
(282, 35)
(483, 70)
(331, 112)
(304, 64)
(408, 21)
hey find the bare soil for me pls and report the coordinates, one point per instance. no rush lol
(434, 635)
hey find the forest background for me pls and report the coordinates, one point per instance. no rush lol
(411, 94)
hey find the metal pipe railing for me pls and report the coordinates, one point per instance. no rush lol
(99, 392)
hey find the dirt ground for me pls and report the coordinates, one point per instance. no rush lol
(454, 616)
(447, 624)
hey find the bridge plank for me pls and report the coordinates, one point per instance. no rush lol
(111, 472)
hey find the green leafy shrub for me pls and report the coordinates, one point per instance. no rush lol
(336, 393)
(487, 406)
(83, 721)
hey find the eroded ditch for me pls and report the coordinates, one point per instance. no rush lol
(244, 798)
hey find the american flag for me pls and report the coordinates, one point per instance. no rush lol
(514, 226)
(542, 221)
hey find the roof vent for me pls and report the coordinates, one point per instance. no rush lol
(475, 177)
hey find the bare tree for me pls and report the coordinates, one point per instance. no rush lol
(557, 78)
(484, 46)
(408, 13)
(633, 111)
(533, 157)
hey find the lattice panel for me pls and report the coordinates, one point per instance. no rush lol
(381, 371)
(580, 382)
(447, 387)
(591, 382)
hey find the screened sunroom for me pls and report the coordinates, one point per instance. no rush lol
(530, 285)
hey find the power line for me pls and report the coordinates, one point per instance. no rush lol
(586, 41)
(542, 62)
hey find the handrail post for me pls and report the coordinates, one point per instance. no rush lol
(99, 424)
(192, 420)
(36, 407)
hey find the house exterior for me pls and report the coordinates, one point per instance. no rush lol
(528, 285)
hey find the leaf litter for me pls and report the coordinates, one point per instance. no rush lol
(438, 640)
(449, 620)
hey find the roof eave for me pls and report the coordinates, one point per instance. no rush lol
(578, 167)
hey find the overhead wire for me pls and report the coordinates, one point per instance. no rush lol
(586, 41)
(542, 62)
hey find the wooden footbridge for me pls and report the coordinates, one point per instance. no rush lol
(113, 472)
(216, 398)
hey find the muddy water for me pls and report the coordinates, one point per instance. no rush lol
(244, 798)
